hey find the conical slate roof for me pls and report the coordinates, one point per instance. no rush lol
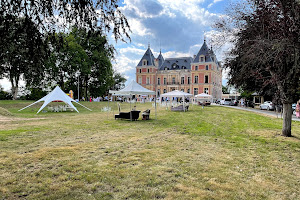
(160, 59)
(204, 51)
(149, 57)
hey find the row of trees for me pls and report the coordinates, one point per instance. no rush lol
(266, 52)
(33, 49)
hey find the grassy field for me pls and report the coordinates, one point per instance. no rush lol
(210, 153)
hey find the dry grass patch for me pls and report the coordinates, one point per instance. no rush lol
(179, 156)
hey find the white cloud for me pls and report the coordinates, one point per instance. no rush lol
(214, 2)
(138, 28)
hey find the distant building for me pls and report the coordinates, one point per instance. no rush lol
(201, 74)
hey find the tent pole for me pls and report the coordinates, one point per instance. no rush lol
(183, 104)
(107, 105)
(155, 107)
(130, 110)
(113, 104)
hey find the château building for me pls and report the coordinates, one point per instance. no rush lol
(200, 74)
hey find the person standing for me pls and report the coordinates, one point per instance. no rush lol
(298, 109)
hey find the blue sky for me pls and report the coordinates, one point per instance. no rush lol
(177, 27)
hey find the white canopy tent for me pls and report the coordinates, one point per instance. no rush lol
(204, 97)
(56, 95)
(133, 88)
(177, 93)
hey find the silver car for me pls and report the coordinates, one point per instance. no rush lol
(267, 105)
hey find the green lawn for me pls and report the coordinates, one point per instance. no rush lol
(210, 153)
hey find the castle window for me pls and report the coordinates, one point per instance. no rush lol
(145, 62)
(165, 81)
(158, 92)
(182, 80)
(206, 90)
(206, 67)
(165, 91)
(206, 79)
(189, 80)
(140, 70)
(148, 81)
(173, 80)
(196, 68)
(195, 91)
(188, 90)
(196, 79)
(148, 70)
(158, 81)
(140, 80)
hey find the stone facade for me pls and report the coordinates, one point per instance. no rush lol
(201, 74)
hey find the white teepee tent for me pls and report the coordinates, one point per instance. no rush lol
(56, 95)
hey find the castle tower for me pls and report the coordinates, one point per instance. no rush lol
(146, 70)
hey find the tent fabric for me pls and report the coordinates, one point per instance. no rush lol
(203, 95)
(56, 95)
(176, 93)
(133, 88)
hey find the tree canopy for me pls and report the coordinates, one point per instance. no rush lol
(17, 57)
(55, 16)
(28, 27)
(267, 49)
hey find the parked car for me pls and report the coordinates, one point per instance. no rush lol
(267, 105)
(225, 102)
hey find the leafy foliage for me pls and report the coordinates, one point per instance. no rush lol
(22, 51)
(85, 55)
(52, 15)
(267, 50)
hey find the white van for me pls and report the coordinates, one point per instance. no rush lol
(226, 102)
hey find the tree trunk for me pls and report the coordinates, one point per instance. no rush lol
(287, 120)
(86, 88)
(14, 87)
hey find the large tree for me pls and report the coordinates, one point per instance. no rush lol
(84, 57)
(17, 57)
(50, 17)
(267, 49)
(53, 15)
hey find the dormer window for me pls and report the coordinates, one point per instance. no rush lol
(145, 62)
(166, 68)
(202, 59)
(174, 66)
